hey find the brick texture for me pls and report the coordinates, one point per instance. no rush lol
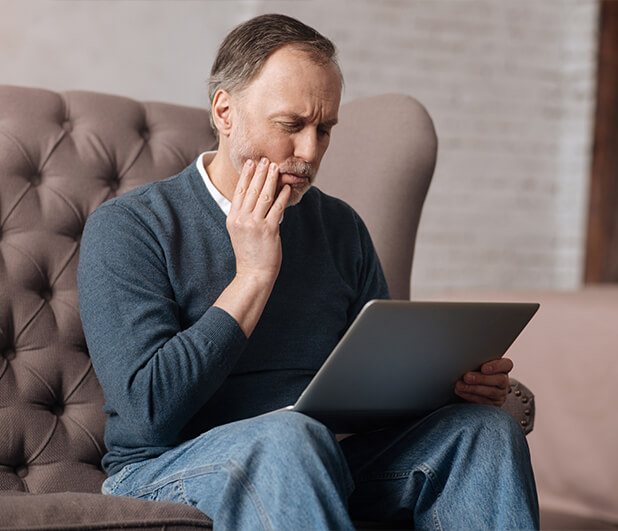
(511, 88)
(509, 83)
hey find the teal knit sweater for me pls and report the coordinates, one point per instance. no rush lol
(152, 263)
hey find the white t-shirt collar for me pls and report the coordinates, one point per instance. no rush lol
(202, 161)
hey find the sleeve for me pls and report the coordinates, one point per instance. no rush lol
(155, 375)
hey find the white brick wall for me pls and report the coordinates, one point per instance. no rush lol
(509, 83)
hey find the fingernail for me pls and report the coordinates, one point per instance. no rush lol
(264, 161)
(272, 167)
(248, 163)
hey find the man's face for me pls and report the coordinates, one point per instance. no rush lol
(286, 115)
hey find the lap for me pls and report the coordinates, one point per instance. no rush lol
(275, 436)
(393, 467)
(284, 444)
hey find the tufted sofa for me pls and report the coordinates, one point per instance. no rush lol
(61, 156)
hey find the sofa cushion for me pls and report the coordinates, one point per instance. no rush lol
(61, 155)
(72, 510)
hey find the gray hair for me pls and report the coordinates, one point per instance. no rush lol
(247, 47)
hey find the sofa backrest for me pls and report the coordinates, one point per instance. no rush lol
(61, 156)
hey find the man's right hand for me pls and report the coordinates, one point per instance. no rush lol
(253, 226)
(253, 222)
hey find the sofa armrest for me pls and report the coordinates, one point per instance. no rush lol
(520, 404)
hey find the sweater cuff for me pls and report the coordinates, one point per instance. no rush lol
(224, 333)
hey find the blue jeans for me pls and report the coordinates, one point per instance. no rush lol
(462, 467)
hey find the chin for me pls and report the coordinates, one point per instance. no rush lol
(297, 194)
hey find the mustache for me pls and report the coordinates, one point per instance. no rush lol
(298, 167)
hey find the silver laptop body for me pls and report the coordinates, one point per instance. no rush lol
(401, 359)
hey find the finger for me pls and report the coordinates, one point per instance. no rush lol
(486, 392)
(276, 212)
(479, 399)
(246, 174)
(267, 195)
(255, 186)
(499, 380)
(503, 365)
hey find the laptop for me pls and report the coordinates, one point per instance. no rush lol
(400, 360)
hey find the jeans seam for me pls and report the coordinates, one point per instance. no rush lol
(385, 476)
(238, 473)
(436, 519)
(437, 487)
(181, 476)
(118, 478)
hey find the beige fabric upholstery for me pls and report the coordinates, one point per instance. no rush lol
(381, 161)
(62, 155)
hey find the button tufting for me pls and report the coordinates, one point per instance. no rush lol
(35, 180)
(67, 126)
(46, 294)
(113, 184)
(21, 471)
(9, 354)
(58, 410)
(145, 134)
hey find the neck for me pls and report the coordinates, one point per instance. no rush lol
(223, 174)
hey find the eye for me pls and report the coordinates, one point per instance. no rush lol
(323, 131)
(291, 126)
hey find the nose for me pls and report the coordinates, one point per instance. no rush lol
(306, 145)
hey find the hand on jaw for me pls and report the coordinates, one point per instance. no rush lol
(253, 226)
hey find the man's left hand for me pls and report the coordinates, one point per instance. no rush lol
(489, 386)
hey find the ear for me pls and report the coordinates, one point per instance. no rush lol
(222, 112)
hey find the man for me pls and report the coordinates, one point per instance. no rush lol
(210, 299)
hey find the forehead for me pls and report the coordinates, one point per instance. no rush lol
(292, 81)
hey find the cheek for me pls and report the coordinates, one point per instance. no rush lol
(278, 147)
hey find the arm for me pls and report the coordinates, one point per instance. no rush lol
(253, 225)
(155, 374)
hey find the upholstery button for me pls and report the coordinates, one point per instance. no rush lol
(145, 134)
(67, 126)
(35, 180)
(113, 184)
(46, 294)
(58, 409)
(21, 471)
(9, 354)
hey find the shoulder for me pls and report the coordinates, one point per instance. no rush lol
(147, 202)
(174, 187)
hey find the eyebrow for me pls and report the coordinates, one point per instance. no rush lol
(298, 117)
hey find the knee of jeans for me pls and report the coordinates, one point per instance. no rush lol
(299, 433)
(297, 424)
(490, 419)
